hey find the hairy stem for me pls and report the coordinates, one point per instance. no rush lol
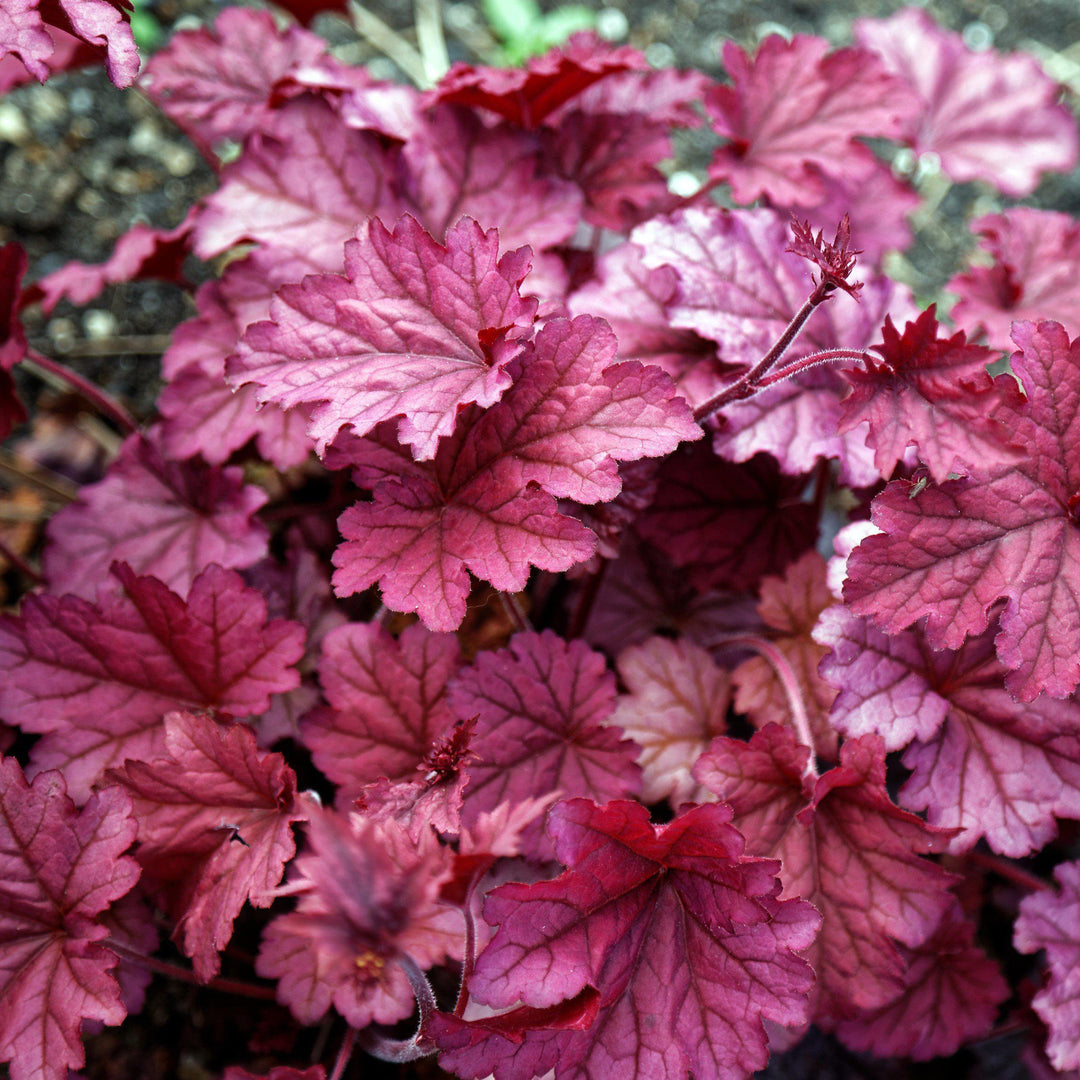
(747, 385)
(39, 364)
(817, 359)
(790, 684)
(174, 971)
(469, 962)
(344, 1054)
(402, 1050)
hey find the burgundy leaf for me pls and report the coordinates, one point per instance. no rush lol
(724, 524)
(388, 704)
(795, 107)
(59, 869)
(1051, 921)
(162, 518)
(950, 552)
(844, 846)
(680, 933)
(986, 116)
(981, 761)
(11, 408)
(932, 392)
(952, 991)
(373, 898)
(12, 335)
(103, 26)
(677, 703)
(215, 821)
(789, 607)
(526, 96)
(302, 185)
(281, 1072)
(486, 502)
(1035, 274)
(97, 679)
(415, 330)
(540, 708)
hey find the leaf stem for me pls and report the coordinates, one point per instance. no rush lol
(1009, 871)
(747, 385)
(174, 971)
(399, 1051)
(813, 360)
(7, 554)
(427, 15)
(344, 1054)
(389, 42)
(39, 363)
(790, 683)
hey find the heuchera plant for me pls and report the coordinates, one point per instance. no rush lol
(551, 624)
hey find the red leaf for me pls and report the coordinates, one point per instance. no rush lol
(415, 329)
(97, 679)
(677, 704)
(950, 552)
(374, 898)
(934, 393)
(486, 502)
(1035, 274)
(952, 991)
(162, 518)
(795, 107)
(844, 846)
(527, 95)
(388, 704)
(12, 335)
(540, 708)
(215, 821)
(790, 606)
(681, 934)
(1051, 921)
(59, 869)
(985, 115)
(981, 761)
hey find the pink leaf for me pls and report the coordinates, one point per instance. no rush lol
(373, 898)
(101, 25)
(795, 107)
(844, 846)
(61, 868)
(932, 392)
(458, 165)
(218, 83)
(986, 116)
(97, 679)
(387, 704)
(952, 551)
(415, 330)
(677, 703)
(215, 821)
(162, 518)
(540, 709)
(952, 991)
(727, 525)
(1051, 921)
(981, 761)
(1035, 274)
(526, 96)
(789, 607)
(140, 253)
(486, 503)
(302, 185)
(681, 934)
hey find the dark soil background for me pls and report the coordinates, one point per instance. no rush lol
(81, 162)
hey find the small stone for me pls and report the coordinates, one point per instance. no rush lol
(178, 159)
(13, 125)
(99, 324)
